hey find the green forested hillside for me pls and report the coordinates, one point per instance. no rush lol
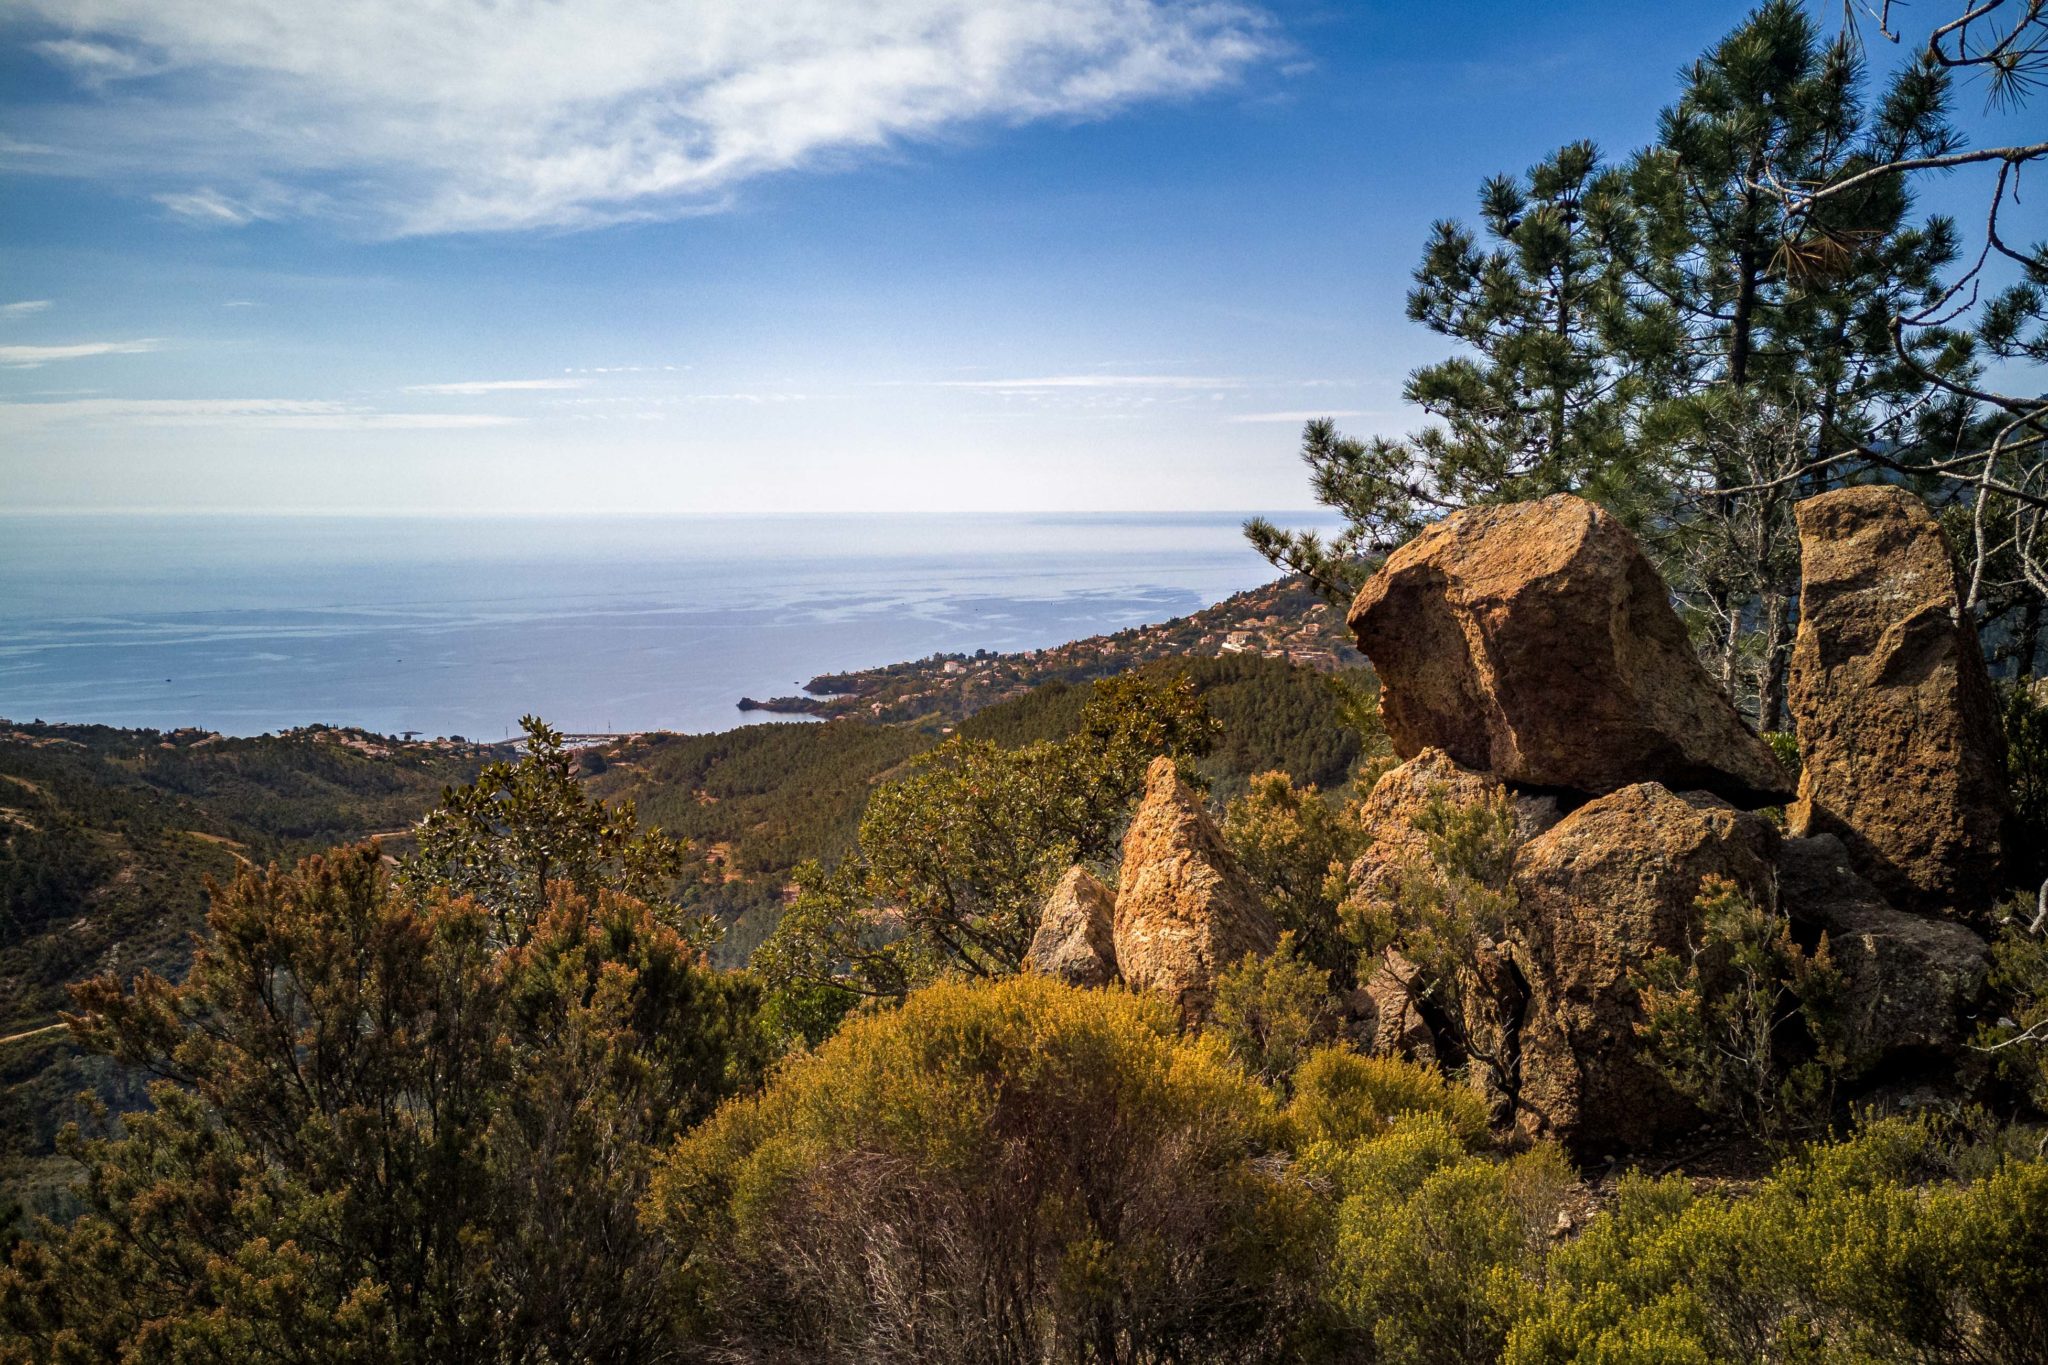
(108, 837)
(762, 799)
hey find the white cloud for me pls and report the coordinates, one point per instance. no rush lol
(1094, 381)
(28, 357)
(26, 308)
(210, 207)
(271, 414)
(96, 63)
(1297, 418)
(472, 114)
(469, 386)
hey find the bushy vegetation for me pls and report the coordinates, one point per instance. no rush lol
(1723, 1019)
(1272, 1011)
(107, 839)
(1010, 1171)
(1297, 848)
(1449, 911)
(382, 1133)
(1899, 1244)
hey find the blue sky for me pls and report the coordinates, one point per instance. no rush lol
(796, 255)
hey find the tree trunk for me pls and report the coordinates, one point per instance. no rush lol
(1771, 708)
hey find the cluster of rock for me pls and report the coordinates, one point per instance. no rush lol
(1183, 911)
(1533, 651)
(1535, 647)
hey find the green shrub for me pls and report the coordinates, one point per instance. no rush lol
(1270, 1012)
(1449, 907)
(1342, 1096)
(1745, 1022)
(1436, 1251)
(1870, 1249)
(1016, 1170)
(1297, 849)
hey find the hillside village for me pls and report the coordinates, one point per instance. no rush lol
(1283, 620)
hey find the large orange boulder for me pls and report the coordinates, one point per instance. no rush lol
(1611, 884)
(1535, 642)
(1185, 912)
(1898, 733)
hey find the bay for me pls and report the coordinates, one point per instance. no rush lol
(450, 626)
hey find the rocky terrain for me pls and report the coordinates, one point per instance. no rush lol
(1529, 656)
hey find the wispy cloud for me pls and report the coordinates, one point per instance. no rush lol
(1095, 381)
(470, 386)
(1297, 418)
(272, 414)
(26, 308)
(29, 357)
(97, 63)
(210, 208)
(466, 115)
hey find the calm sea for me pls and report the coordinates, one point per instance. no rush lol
(248, 625)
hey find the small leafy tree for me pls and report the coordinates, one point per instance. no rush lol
(957, 858)
(1297, 848)
(522, 826)
(1451, 912)
(1745, 1022)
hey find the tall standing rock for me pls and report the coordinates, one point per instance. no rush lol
(1185, 911)
(1534, 641)
(1611, 884)
(1076, 938)
(1897, 727)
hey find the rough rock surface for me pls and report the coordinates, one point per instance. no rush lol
(1389, 810)
(1398, 1028)
(1076, 938)
(1185, 912)
(1897, 728)
(1535, 642)
(1909, 981)
(1611, 884)
(1402, 793)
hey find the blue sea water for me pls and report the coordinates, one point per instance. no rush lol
(461, 625)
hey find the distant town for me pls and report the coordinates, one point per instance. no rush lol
(1284, 619)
